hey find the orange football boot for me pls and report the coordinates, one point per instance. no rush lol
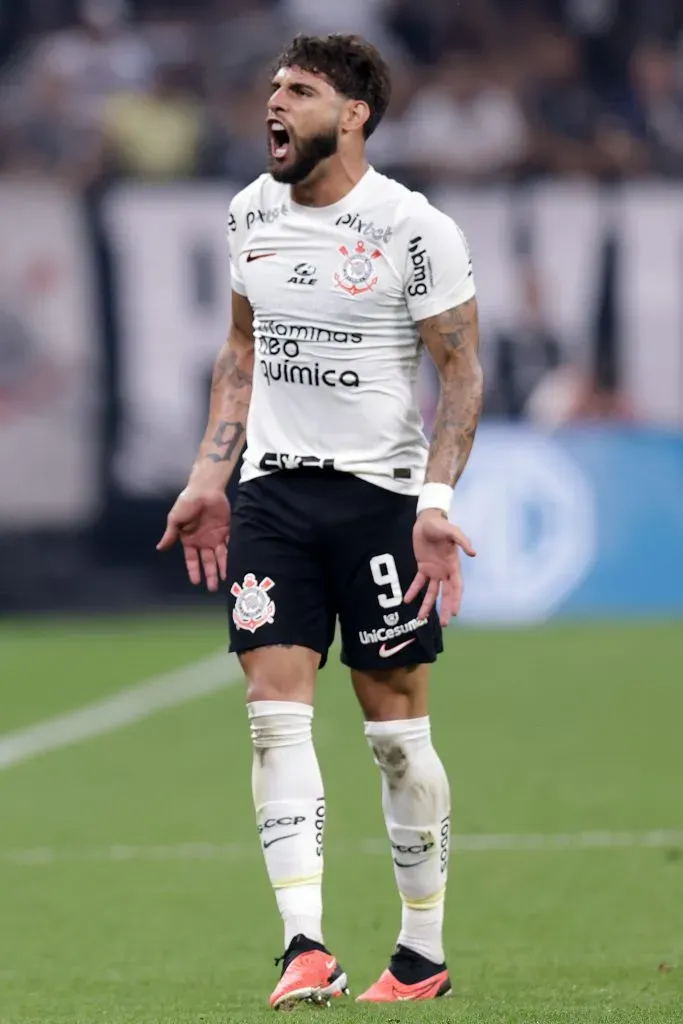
(409, 978)
(310, 974)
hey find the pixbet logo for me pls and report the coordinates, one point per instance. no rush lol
(364, 227)
(265, 216)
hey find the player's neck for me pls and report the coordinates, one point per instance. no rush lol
(331, 184)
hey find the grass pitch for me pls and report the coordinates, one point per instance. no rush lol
(132, 889)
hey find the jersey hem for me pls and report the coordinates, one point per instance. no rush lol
(387, 483)
(237, 284)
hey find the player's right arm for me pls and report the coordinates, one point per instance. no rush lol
(230, 397)
(200, 518)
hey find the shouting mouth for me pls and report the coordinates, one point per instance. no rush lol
(279, 140)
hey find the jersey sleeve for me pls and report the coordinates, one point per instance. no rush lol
(438, 266)
(236, 281)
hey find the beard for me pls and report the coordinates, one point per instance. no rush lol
(307, 155)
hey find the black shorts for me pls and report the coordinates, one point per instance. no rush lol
(308, 547)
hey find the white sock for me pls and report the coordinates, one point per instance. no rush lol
(290, 811)
(416, 804)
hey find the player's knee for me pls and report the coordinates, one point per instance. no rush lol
(403, 750)
(280, 673)
(267, 688)
(391, 695)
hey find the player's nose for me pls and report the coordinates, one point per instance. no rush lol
(275, 102)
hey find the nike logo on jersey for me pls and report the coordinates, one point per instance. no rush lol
(251, 255)
(269, 842)
(386, 652)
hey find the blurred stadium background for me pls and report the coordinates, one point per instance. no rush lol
(552, 130)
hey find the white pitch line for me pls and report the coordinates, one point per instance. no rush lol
(121, 853)
(549, 841)
(166, 690)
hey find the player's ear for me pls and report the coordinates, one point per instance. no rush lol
(354, 115)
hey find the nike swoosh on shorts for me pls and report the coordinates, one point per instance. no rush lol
(386, 652)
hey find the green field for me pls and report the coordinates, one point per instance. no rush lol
(131, 882)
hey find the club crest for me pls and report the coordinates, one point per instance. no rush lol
(357, 274)
(253, 607)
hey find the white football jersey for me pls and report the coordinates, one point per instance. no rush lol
(336, 293)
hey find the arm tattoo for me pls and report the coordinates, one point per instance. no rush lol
(452, 339)
(227, 439)
(228, 372)
(230, 397)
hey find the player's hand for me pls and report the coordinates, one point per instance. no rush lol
(436, 543)
(200, 519)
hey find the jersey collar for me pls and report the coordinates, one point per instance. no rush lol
(333, 209)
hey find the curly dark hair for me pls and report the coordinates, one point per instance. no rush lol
(352, 65)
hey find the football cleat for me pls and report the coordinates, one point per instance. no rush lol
(409, 978)
(310, 974)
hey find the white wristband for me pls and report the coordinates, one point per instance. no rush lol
(435, 496)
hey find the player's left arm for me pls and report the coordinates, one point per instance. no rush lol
(452, 340)
(441, 297)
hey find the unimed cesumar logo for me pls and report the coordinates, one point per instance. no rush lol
(379, 636)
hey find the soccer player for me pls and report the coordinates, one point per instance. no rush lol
(339, 276)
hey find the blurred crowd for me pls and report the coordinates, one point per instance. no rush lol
(484, 90)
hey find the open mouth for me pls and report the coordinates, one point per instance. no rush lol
(279, 140)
